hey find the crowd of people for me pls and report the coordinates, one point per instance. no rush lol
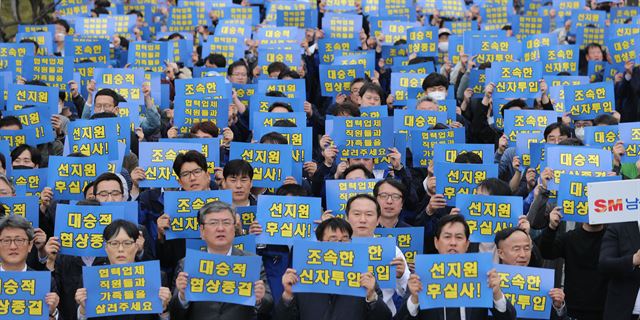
(597, 266)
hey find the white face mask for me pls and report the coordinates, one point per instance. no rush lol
(437, 95)
(443, 46)
(60, 37)
(580, 133)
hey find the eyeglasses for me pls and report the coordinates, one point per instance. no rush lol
(194, 172)
(19, 242)
(5, 192)
(113, 194)
(104, 107)
(215, 223)
(386, 196)
(116, 244)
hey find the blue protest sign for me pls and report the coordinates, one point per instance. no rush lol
(260, 102)
(36, 120)
(221, 278)
(578, 161)
(492, 48)
(293, 88)
(338, 193)
(523, 147)
(527, 289)
(120, 289)
(516, 79)
(43, 39)
(341, 26)
(80, 228)
(327, 48)
(532, 43)
(381, 251)
(23, 294)
(17, 49)
(271, 163)
(423, 142)
(233, 28)
(182, 19)
(530, 25)
(300, 139)
(96, 50)
(68, 176)
(416, 120)
(263, 120)
(623, 49)
(451, 8)
(149, 56)
(449, 152)
(210, 149)
(400, 84)
(126, 82)
(585, 102)
(374, 112)
(22, 95)
(230, 47)
(182, 208)
(526, 121)
(26, 206)
(487, 215)
(30, 182)
(409, 240)
(157, 160)
(423, 41)
(572, 196)
(461, 178)
(560, 58)
(477, 82)
(91, 137)
(363, 138)
(604, 137)
(307, 18)
(286, 219)
(337, 79)
(54, 71)
(247, 215)
(630, 135)
(277, 35)
(365, 58)
(330, 267)
(455, 280)
(291, 57)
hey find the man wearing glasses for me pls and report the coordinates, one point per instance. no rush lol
(16, 241)
(217, 228)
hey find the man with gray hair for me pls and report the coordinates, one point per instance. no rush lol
(217, 220)
(16, 240)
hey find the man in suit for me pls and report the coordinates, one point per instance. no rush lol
(217, 220)
(620, 260)
(321, 306)
(452, 237)
(16, 240)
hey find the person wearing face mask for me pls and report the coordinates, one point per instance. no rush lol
(436, 87)
(62, 30)
(25, 157)
(443, 40)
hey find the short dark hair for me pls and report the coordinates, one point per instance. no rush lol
(189, 156)
(111, 93)
(512, 104)
(274, 138)
(592, 45)
(571, 142)
(237, 64)
(564, 130)
(87, 187)
(217, 59)
(292, 189)
(346, 108)
(434, 79)
(275, 93)
(355, 167)
(605, 120)
(506, 233)
(370, 86)
(286, 123)
(333, 224)
(36, 157)
(276, 67)
(64, 24)
(114, 227)
(215, 206)
(288, 73)
(10, 121)
(362, 196)
(136, 12)
(392, 182)
(495, 187)
(107, 176)
(452, 218)
(206, 127)
(15, 221)
(238, 168)
(468, 157)
(280, 104)
(27, 40)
